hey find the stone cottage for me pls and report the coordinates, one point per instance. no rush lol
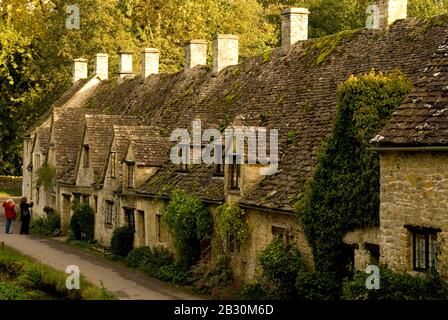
(109, 138)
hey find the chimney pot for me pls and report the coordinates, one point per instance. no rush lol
(102, 66)
(125, 68)
(195, 54)
(294, 26)
(150, 61)
(79, 69)
(225, 51)
(391, 11)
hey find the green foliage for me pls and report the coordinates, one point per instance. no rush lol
(280, 264)
(122, 241)
(46, 177)
(49, 225)
(82, 223)
(231, 221)
(157, 262)
(344, 192)
(189, 221)
(397, 286)
(317, 286)
(212, 277)
(31, 275)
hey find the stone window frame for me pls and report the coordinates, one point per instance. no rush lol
(109, 213)
(234, 173)
(113, 168)
(86, 156)
(129, 215)
(131, 173)
(429, 237)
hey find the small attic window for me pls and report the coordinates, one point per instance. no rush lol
(183, 166)
(131, 166)
(112, 164)
(86, 156)
(234, 174)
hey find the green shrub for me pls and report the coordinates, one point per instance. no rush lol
(82, 223)
(189, 221)
(209, 276)
(11, 292)
(396, 286)
(280, 264)
(317, 286)
(49, 225)
(157, 262)
(231, 221)
(122, 241)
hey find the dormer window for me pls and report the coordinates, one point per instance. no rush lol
(234, 173)
(86, 159)
(131, 166)
(112, 164)
(183, 166)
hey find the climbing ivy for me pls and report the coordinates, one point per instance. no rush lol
(231, 220)
(189, 222)
(46, 177)
(344, 191)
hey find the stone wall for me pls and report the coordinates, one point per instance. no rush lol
(10, 183)
(263, 226)
(414, 191)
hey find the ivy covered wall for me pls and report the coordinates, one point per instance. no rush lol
(344, 192)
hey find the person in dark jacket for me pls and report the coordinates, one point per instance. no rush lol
(10, 214)
(25, 216)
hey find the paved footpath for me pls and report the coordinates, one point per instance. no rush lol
(123, 282)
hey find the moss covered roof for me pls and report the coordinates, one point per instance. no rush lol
(292, 90)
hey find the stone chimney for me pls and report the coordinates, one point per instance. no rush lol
(150, 61)
(102, 66)
(195, 54)
(391, 11)
(225, 51)
(294, 26)
(125, 68)
(79, 69)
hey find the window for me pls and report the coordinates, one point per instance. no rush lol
(37, 195)
(374, 251)
(234, 173)
(109, 212)
(233, 245)
(112, 164)
(424, 247)
(130, 174)
(130, 219)
(86, 156)
(281, 232)
(77, 197)
(183, 166)
(85, 198)
(219, 167)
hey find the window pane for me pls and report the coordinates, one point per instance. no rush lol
(432, 250)
(420, 251)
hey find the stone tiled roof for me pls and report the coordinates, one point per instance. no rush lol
(294, 91)
(100, 131)
(123, 134)
(150, 150)
(422, 120)
(43, 136)
(68, 125)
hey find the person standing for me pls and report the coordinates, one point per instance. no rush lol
(25, 216)
(10, 214)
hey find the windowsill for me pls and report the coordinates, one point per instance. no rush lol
(218, 177)
(109, 225)
(234, 191)
(182, 173)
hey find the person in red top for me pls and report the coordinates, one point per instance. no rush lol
(10, 214)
